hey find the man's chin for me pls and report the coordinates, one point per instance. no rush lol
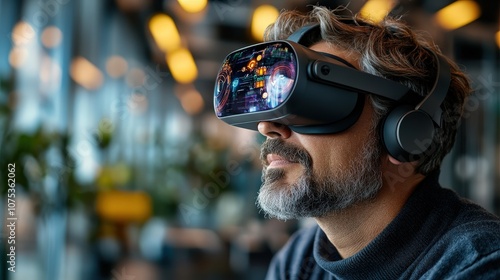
(280, 199)
(306, 198)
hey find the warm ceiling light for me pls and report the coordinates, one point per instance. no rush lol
(182, 66)
(262, 17)
(51, 37)
(86, 74)
(164, 32)
(376, 10)
(458, 14)
(193, 6)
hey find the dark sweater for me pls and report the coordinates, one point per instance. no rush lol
(436, 235)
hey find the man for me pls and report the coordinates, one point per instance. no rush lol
(379, 214)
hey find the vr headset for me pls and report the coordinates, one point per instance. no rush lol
(318, 93)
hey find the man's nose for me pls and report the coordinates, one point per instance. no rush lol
(274, 130)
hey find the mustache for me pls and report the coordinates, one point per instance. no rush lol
(287, 151)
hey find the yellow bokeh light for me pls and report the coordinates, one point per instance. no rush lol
(164, 32)
(115, 206)
(182, 66)
(193, 6)
(458, 14)
(262, 17)
(376, 10)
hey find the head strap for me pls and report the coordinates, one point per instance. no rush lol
(301, 35)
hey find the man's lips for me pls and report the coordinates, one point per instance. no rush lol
(274, 160)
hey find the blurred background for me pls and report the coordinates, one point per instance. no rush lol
(121, 169)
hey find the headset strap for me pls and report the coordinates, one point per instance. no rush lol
(299, 35)
(431, 104)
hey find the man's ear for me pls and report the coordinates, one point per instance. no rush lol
(397, 162)
(394, 161)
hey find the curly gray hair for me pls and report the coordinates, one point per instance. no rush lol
(389, 49)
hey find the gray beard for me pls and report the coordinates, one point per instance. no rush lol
(315, 195)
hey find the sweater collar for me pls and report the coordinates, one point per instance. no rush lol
(398, 245)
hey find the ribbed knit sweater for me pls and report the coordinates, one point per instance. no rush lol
(436, 235)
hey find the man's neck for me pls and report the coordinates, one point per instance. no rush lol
(353, 229)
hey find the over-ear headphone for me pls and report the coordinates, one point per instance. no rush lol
(407, 132)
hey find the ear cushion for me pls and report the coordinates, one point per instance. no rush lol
(407, 133)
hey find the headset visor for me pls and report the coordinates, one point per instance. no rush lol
(287, 83)
(255, 79)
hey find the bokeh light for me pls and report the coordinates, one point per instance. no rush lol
(51, 37)
(182, 66)
(86, 74)
(116, 66)
(193, 6)
(262, 17)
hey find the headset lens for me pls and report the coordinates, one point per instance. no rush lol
(255, 79)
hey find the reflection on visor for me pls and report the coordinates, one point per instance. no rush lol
(255, 79)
